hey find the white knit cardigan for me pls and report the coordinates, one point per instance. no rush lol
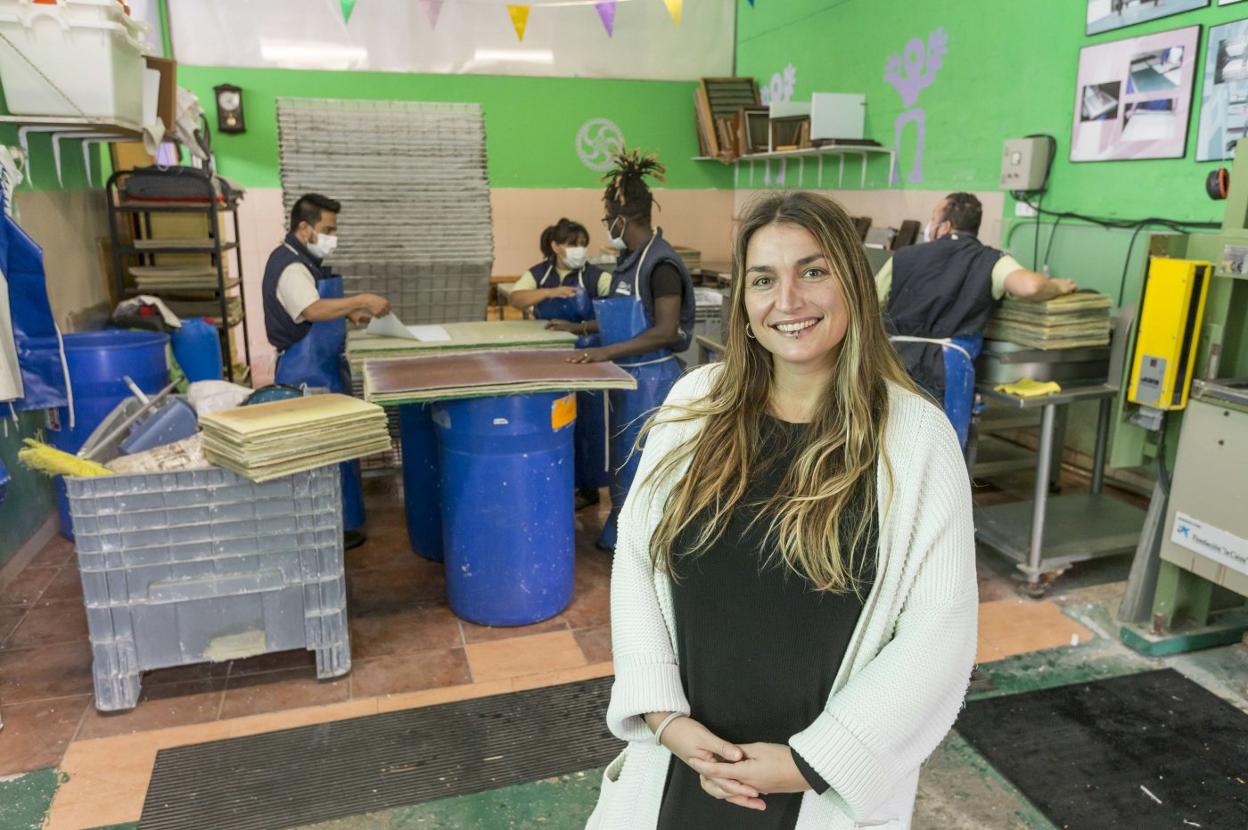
(906, 668)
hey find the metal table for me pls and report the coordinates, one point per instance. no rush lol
(1046, 534)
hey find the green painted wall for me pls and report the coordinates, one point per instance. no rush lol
(531, 123)
(1009, 71)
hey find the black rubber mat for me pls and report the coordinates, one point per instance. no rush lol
(346, 768)
(1150, 750)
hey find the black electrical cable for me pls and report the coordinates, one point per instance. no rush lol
(1048, 248)
(1035, 242)
(1126, 264)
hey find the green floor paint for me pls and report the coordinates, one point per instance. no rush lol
(25, 799)
(562, 803)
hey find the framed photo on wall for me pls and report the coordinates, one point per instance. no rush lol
(1133, 97)
(1224, 100)
(1107, 15)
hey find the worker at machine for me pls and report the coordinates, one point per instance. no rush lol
(645, 320)
(561, 288)
(305, 318)
(946, 289)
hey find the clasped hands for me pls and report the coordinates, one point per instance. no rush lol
(736, 773)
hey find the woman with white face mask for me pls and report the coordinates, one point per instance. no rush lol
(561, 288)
(564, 268)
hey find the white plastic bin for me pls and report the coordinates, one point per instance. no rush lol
(72, 59)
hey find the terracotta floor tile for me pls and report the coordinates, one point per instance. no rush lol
(57, 552)
(590, 609)
(28, 586)
(471, 691)
(595, 643)
(403, 630)
(524, 655)
(383, 590)
(35, 734)
(160, 706)
(255, 694)
(487, 634)
(181, 674)
(409, 672)
(49, 623)
(387, 547)
(51, 671)
(66, 585)
(305, 716)
(1018, 626)
(299, 658)
(10, 616)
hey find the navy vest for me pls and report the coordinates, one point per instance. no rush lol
(546, 274)
(632, 278)
(940, 289)
(281, 328)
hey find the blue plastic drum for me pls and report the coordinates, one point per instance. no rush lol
(507, 521)
(98, 360)
(422, 499)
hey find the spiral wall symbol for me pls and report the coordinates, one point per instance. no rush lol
(597, 142)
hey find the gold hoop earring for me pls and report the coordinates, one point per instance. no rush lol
(749, 332)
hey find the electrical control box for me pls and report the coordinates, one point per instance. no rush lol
(1024, 163)
(1168, 332)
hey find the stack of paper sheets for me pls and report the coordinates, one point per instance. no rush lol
(485, 375)
(1069, 322)
(270, 440)
(503, 335)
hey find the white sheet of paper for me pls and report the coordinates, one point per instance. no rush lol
(429, 334)
(390, 326)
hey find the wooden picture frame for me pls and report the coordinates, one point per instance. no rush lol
(753, 126)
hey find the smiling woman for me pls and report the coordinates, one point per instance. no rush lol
(793, 595)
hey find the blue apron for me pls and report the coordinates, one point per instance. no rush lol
(319, 360)
(622, 318)
(960, 382)
(591, 459)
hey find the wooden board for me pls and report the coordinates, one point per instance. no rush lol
(485, 374)
(503, 335)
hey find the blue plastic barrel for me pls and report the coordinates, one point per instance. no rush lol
(98, 360)
(197, 347)
(507, 522)
(421, 486)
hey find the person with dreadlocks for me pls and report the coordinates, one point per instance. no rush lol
(647, 317)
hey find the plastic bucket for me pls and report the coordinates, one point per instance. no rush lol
(507, 525)
(198, 350)
(98, 360)
(421, 486)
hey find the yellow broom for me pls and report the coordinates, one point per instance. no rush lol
(53, 462)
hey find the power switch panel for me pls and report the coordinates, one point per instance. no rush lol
(1023, 163)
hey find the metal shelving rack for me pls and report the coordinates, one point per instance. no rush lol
(143, 248)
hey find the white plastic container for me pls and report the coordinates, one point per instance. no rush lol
(81, 57)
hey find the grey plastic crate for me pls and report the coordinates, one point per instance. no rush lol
(204, 566)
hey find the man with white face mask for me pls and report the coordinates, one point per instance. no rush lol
(949, 286)
(305, 318)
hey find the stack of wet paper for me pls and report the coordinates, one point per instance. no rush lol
(1069, 322)
(270, 440)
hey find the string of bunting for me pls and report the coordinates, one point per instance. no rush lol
(519, 12)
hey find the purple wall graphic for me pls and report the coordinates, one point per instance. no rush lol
(910, 73)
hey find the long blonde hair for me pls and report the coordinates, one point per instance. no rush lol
(835, 472)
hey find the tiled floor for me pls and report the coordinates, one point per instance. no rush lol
(403, 639)
(408, 650)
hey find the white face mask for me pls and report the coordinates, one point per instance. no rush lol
(617, 242)
(575, 257)
(927, 232)
(323, 246)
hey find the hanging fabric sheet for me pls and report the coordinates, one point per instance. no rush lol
(37, 340)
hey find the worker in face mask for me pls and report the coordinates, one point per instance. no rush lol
(948, 288)
(305, 318)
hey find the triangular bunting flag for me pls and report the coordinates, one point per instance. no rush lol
(673, 8)
(519, 18)
(751, 2)
(348, 6)
(433, 8)
(606, 11)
